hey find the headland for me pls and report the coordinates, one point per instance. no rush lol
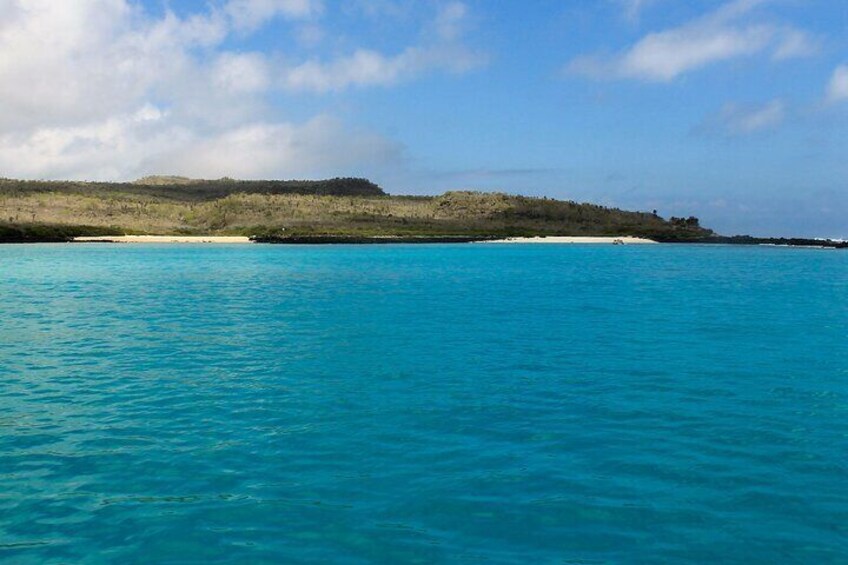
(167, 209)
(341, 210)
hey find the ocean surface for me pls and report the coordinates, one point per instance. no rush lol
(423, 404)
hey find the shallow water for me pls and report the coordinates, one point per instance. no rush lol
(403, 404)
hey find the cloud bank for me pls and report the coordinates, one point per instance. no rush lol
(105, 90)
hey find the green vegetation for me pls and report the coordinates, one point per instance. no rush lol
(346, 208)
(46, 233)
(780, 241)
(194, 190)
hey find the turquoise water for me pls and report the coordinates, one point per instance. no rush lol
(419, 404)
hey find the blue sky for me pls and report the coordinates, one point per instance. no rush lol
(735, 111)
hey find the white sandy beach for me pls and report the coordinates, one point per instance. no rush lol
(577, 239)
(164, 239)
(243, 239)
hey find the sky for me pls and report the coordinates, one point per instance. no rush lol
(735, 111)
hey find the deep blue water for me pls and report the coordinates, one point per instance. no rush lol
(420, 404)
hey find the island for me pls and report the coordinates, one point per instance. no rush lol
(339, 210)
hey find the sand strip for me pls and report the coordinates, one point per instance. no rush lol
(164, 239)
(576, 239)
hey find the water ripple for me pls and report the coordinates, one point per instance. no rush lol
(423, 404)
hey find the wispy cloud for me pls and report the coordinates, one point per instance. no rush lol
(366, 67)
(633, 9)
(444, 51)
(795, 43)
(247, 15)
(837, 89)
(745, 119)
(730, 32)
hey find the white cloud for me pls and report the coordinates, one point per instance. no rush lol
(738, 119)
(322, 146)
(366, 67)
(241, 72)
(837, 89)
(795, 43)
(105, 149)
(247, 15)
(664, 56)
(103, 90)
(70, 62)
(725, 34)
(148, 141)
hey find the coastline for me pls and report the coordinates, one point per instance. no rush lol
(163, 239)
(367, 240)
(420, 239)
(577, 240)
(306, 240)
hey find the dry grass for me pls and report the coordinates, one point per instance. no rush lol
(454, 213)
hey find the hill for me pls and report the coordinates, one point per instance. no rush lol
(344, 207)
(193, 190)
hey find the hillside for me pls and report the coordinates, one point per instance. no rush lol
(192, 190)
(43, 210)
